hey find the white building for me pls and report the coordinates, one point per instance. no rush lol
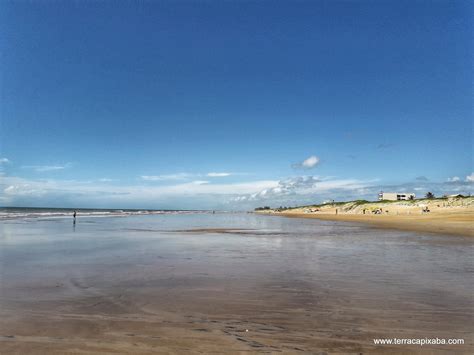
(396, 196)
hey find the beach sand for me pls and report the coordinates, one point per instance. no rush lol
(448, 222)
(237, 283)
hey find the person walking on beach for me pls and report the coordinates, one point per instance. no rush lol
(74, 216)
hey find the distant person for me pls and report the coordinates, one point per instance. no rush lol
(74, 216)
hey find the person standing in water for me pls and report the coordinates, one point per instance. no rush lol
(74, 216)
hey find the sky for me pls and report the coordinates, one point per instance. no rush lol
(234, 104)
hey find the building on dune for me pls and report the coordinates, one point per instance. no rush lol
(396, 196)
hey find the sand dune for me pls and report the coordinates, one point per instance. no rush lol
(450, 216)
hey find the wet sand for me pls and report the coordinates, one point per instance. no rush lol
(456, 223)
(229, 284)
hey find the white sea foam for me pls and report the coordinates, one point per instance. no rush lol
(6, 214)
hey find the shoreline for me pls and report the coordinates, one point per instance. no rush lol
(453, 223)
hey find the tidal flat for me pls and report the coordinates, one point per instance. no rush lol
(229, 283)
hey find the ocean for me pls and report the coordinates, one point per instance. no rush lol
(41, 212)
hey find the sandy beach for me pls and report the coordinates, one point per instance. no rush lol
(458, 223)
(453, 216)
(230, 283)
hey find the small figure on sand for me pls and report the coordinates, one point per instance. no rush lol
(74, 217)
(377, 211)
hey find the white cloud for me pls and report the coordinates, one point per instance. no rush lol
(105, 180)
(306, 186)
(454, 179)
(308, 163)
(4, 161)
(23, 190)
(44, 168)
(199, 182)
(193, 194)
(205, 187)
(167, 177)
(311, 162)
(314, 189)
(201, 193)
(218, 174)
(182, 176)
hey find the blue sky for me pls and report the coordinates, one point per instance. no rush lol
(206, 104)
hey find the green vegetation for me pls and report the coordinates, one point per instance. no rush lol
(352, 204)
(360, 202)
